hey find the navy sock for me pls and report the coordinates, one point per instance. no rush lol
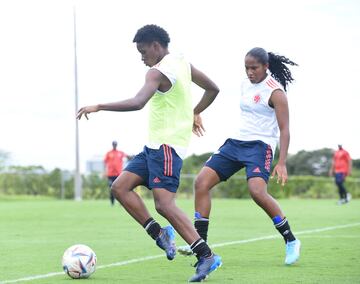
(152, 228)
(201, 225)
(200, 248)
(282, 225)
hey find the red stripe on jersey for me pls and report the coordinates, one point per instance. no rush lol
(275, 82)
(267, 83)
(270, 84)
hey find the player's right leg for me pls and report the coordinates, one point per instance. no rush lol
(135, 174)
(111, 179)
(344, 192)
(339, 180)
(122, 189)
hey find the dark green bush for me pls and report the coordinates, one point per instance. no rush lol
(35, 181)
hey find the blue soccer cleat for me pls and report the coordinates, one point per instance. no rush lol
(292, 252)
(166, 241)
(205, 266)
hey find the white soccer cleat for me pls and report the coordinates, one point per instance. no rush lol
(348, 197)
(185, 250)
(292, 252)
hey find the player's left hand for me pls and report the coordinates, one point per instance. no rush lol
(281, 172)
(86, 110)
(198, 128)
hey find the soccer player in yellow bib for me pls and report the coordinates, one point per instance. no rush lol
(172, 119)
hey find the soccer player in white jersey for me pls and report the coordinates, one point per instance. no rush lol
(167, 89)
(264, 117)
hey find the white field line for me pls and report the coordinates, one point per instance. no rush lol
(278, 236)
(142, 259)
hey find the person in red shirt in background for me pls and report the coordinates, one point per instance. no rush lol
(341, 167)
(113, 162)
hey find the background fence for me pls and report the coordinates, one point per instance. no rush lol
(60, 184)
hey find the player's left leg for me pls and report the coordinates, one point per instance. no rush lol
(219, 167)
(111, 179)
(166, 206)
(339, 180)
(204, 182)
(258, 192)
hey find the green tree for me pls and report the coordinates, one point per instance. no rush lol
(316, 162)
(194, 163)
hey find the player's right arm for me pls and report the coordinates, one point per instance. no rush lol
(152, 82)
(211, 91)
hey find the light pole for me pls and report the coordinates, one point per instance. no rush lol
(77, 179)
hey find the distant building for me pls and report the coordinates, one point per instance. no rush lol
(95, 165)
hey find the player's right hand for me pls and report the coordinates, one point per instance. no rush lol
(86, 110)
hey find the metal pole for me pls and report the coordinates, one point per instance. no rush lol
(77, 179)
(62, 185)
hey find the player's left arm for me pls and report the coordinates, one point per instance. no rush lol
(279, 101)
(211, 90)
(152, 82)
(350, 165)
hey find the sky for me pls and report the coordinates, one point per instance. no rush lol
(37, 118)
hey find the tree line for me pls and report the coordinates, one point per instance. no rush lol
(308, 178)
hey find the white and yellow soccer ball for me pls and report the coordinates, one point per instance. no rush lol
(79, 261)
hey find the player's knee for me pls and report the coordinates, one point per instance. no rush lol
(162, 208)
(115, 190)
(257, 193)
(201, 185)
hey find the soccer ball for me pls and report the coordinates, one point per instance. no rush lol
(79, 261)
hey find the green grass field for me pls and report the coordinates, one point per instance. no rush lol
(35, 233)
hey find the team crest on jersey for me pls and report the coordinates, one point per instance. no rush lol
(257, 98)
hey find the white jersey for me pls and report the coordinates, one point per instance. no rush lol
(257, 119)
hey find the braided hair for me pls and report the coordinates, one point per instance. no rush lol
(277, 66)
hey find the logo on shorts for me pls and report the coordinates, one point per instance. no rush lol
(156, 180)
(256, 170)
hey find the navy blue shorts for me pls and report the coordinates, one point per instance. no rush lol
(111, 179)
(159, 168)
(255, 156)
(339, 177)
